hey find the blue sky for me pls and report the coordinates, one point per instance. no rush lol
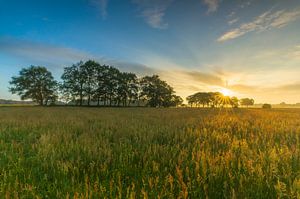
(251, 47)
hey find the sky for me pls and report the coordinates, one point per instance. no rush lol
(250, 47)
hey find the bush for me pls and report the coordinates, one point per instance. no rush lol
(267, 106)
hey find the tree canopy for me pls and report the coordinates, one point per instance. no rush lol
(247, 102)
(35, 83)
(90, 82)
(216, 99)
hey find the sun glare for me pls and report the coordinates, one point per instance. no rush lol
(226, 92)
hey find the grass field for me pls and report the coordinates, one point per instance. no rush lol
(149, 153)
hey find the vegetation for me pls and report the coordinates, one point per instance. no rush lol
(158, 92)
(149, 153)
(107, 86)
(90, 83)
(35, 83)
(216, 99)
(266, 106)
(247, 102)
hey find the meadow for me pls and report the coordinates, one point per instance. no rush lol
(70, 152)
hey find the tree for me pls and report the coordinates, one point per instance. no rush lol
(111, 84)
(247, 102)
(127, 88)
(176, 100)
(191, 100)
(102, 84)
(91, 81)
(156, 92)
(88, 71)
(101, 72)
(234, 102)
(73, 83)
(216, 99)
(35, 83)
(213, 99)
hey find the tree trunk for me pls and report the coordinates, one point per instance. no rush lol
(81, 99)
(98, 103)
(41, 102)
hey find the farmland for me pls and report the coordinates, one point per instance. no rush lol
(68, 152)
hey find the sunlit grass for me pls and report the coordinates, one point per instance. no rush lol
(149, 153)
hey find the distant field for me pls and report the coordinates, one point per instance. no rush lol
(149, 153)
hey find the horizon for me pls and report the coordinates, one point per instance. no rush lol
(251, 48)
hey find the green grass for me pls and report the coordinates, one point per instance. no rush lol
(62, 152)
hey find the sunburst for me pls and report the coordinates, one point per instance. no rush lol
(226, 92)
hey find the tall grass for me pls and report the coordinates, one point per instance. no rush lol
(149, 153)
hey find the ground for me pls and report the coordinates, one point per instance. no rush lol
(61, 152)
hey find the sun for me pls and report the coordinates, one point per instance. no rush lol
(226, 92)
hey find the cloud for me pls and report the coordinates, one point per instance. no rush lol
(243, 88)
(56, 57)
(205, 78)
(290, 87)
(139, 69)
(153, 11)
(212, 5)
(40, 52)
(101, 5)
(233, 21)
(245, 4)
(266, 21)
(286, 55)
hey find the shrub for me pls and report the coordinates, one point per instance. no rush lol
(267, 106)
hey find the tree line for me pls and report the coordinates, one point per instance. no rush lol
(217, 99)
(90, 83)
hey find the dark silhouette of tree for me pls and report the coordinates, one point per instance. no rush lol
(127, 88)
(103, 87)
(217, 99)
(156, 92)
(88, 71)
(267, 106)
(73, 83)
(35, 83)
(112, 83)
(176, 101)
(200, 98)
(98, 84)
(211, 99)
(234, 102)
(100, 75)
(191, 100)
(247, 102)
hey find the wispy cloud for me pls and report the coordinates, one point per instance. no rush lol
(242, 88)
(153, 11)
(286, 55)
(139, 69)
(101, 5)
(205, 78)
(40, 52)
(266, 21)
(293, 87)
(56, 57)
(233, 21)
(212, 5)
